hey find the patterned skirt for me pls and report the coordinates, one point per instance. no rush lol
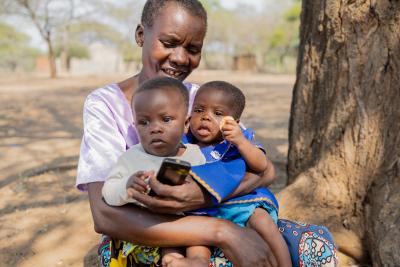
(309, 246)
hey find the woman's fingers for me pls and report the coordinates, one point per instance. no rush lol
(173, 199)
(190, 195)
(164, 190)
(157, 204)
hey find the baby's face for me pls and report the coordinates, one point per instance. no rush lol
(209, 107)
(160, 121)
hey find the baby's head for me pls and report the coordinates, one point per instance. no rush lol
(160, 113)
(214, 100)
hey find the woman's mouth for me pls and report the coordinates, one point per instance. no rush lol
(174, 73)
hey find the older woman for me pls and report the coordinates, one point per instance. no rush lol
(171, 35)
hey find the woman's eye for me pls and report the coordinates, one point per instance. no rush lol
(168, 44)
(193, 50)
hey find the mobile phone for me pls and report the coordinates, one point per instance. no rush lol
(173, 171)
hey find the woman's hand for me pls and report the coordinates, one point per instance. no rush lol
(244, 247)
(174, 199)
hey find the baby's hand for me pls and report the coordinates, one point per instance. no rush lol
(231, 131)
(139, 182)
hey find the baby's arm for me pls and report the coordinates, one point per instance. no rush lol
(114, 188)
(117, 189)
(254, 157)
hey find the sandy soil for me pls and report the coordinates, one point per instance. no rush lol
(44, 220)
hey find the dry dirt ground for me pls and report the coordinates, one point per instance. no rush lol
(44, 220)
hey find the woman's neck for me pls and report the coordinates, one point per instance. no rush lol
(129, 86)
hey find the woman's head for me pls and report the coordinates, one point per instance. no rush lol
(152, 8)
(171, 35)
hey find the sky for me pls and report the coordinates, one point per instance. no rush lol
(272, 5)
(234, 3)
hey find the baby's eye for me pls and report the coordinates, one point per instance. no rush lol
(143, 122)
(167, 119)
(197, 110)
(218, 113)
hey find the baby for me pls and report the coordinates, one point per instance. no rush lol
(214, 120)
(160, 108)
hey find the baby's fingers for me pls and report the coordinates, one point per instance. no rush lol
(135, 188)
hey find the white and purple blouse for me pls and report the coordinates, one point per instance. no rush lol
(108, 131)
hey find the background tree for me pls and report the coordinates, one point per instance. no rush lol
(15, 52)
(51, 18)
(344, 141)
(284, 40)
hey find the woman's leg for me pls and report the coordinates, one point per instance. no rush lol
(309, 245)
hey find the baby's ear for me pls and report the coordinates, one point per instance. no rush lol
(187, 124)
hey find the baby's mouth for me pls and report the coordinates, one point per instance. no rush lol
(157, 142)
(203, 131)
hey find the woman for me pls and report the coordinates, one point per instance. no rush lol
(171, 35)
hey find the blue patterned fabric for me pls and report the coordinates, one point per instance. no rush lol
(309, 245)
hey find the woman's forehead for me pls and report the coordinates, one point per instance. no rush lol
(177, 16)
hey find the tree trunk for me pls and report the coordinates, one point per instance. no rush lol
(64, 54)
(344, 136)
(52, 59)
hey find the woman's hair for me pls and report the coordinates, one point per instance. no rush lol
(161, 83)
(152, 9)
(233, 93)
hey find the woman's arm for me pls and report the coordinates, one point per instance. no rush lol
(244, 247)
(190, 196)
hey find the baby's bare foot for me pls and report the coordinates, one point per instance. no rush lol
(188, 262)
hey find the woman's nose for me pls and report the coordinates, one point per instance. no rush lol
(180, 56)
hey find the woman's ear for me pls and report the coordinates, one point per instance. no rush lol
(187, 124)
(139, 35)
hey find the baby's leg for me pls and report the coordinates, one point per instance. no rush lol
(263, 224)
(196, 256)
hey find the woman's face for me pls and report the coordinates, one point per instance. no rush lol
(172, 46)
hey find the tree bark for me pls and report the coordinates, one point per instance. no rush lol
(52, 59)
(344, 136)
